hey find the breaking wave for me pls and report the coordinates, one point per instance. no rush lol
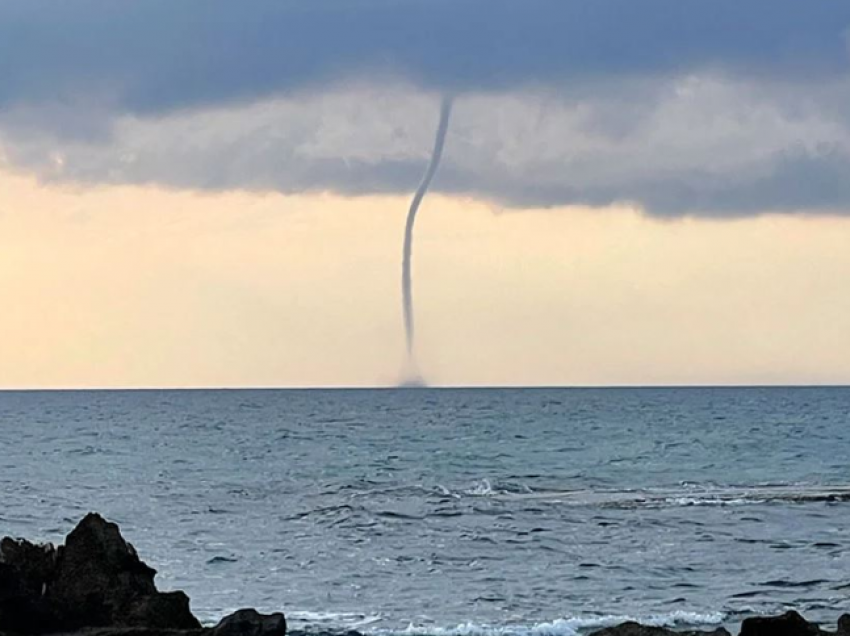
(570, 626)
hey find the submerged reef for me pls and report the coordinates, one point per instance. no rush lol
(96, 585)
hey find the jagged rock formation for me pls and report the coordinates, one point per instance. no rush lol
(96, 582)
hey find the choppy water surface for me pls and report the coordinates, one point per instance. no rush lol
(467, 511)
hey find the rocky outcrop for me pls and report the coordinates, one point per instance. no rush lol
(636, 629)
(788, 624)
(33, 563)
(25, 569)
(249, 622)
(96, 584)
(100, 581)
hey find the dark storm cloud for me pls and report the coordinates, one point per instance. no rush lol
(714, 107)
(161, 54)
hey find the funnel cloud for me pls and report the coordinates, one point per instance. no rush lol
(406, 281)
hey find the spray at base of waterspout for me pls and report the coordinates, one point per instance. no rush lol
(410, 377)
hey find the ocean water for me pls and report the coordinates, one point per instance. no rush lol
(481, 511)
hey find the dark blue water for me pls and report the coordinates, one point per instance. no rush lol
(463, 511)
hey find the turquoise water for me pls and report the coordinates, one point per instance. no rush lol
(481, 511)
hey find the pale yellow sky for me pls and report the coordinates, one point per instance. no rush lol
(139, 286)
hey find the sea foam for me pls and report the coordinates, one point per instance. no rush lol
(570, 626)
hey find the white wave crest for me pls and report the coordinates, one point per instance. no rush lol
(482, 488)
(485, 488)
(559, 627)
(344, 620)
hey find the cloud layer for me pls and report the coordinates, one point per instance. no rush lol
(678, 106)
(159, 54)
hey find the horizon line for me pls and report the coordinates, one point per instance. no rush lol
(437, 387)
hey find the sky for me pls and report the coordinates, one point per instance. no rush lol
(200, 194)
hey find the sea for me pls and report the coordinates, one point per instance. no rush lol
(453, 512)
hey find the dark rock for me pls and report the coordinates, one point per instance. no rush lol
(631, 628)
(96, 585)
(788, 624)
(249, 622)
(98, 575)
(17, 611)
(25, 570)
(719, 631)
(95, 580)
(34, 564)
(163, 610)
(844, 625)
